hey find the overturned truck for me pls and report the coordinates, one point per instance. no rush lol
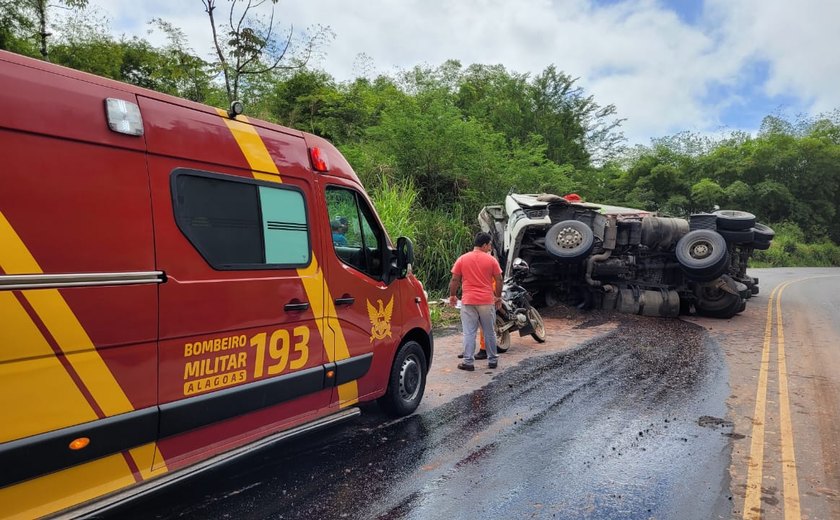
(630, 260)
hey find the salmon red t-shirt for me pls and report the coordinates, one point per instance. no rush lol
(477, 270)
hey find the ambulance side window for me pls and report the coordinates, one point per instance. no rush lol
(239, 224)
(357, 238)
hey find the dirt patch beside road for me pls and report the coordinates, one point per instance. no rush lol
(565, 328)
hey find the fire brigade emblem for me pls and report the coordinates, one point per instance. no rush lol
(380, 320)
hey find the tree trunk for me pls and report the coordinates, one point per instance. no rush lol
(41, 8)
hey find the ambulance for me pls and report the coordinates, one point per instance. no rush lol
(172, 292)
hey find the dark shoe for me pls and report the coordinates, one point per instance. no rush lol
(492, 364)
(461, 355)
(464, 366)
(481, 354)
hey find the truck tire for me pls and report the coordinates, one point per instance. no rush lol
(702, 221)
(734, 220)
(569, 241)
(745, 236)
(702, 254)
(407, 381)
(762, 233)
(724, 306)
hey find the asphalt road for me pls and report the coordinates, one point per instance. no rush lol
(783, 355)
(617, 417)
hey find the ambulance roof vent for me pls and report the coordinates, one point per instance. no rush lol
(124, 116)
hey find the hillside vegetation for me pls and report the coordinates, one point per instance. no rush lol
(435, 144)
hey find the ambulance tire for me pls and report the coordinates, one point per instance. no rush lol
(407, 381)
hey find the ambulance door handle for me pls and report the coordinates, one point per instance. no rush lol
(296, 305)
(345, 300)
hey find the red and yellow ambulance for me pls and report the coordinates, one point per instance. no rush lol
(172, 292)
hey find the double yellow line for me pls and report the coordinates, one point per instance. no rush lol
(752, 502)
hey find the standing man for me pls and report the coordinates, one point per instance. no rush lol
(475, 273)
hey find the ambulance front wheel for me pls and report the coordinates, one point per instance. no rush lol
(407, 381)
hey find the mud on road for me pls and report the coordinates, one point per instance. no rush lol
(626, 425)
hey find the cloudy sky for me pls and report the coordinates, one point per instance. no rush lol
(708, 66)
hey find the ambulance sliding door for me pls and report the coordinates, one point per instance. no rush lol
(241, 354)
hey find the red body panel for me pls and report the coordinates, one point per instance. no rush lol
(75, 109)
(90, 203)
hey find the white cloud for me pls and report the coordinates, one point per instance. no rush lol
(639, 55)
(799, 40)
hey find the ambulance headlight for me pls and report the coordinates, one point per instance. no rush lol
(124, 116)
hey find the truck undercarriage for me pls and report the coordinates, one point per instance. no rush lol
(633, 261)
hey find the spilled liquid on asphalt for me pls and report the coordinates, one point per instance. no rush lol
(614, 429)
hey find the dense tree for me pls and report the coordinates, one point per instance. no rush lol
(26, 24)
(573, 126)
(17, 28)
(706, 195)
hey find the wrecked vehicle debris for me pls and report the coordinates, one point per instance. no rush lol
(630, 260)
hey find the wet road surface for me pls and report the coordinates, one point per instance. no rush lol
(631, 424)
(783, 355)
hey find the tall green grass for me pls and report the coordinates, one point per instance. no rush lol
(439, 237)
(396, 203)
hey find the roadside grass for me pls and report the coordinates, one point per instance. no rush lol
(442, 315)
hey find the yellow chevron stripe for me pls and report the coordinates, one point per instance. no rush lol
(79, 349)
(14, 257)
(146, 455)
(33, 379)
(331, 332)
(56, 491)
(253, 148)
(317, 291)
(71, 337)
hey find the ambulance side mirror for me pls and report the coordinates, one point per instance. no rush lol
(405, 256)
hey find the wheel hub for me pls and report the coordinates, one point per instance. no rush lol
(409, 379)
(569, 238)
(701, 250)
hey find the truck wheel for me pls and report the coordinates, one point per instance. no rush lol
(715, 303)
(407, 381)
(502, 339)
(569, 240)
(537, 324)
(702, 254)
(734, 220)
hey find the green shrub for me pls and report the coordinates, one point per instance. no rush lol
(790, 249)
